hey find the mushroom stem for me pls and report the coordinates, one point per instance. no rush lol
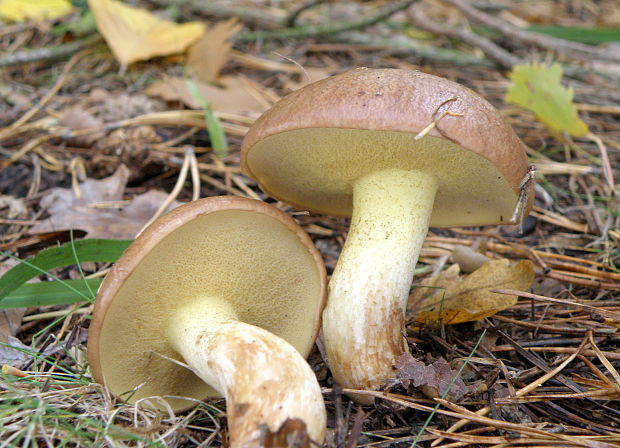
(264, 379)
(365, 313)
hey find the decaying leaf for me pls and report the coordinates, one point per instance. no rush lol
(233, 97)
(307, 76)
(97, 210)
(538, 88)
(432, 380)
(37, 10)
(292, 433)
(452, 300)
(77, 119)
(135, 34)
(208, 55)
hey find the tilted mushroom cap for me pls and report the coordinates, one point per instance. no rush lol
(310, 147)
(218, 247)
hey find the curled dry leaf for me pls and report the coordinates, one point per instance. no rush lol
(208, 55)
(233, 97)
(308, 75)
(77, 119)
(433, 380)
(292, 433)
(90, 213)
(135, 34)
(451, 299)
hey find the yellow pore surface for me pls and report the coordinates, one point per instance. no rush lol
(315, 169)
(249, 259)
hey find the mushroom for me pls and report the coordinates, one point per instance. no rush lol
(396, 150)
(219, 297)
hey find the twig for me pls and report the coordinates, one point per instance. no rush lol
(187, 162)
(51, 53)
(540, 40)
(586, 307)
(521, 392)
(291, 19)
(403, 45)
(327, 28)
(491, 50)
(48, 96)
(224, 10)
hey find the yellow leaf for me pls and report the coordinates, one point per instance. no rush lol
(135, 34)
(538, 88)
(209, 54)
(454, 300)
(38, 10)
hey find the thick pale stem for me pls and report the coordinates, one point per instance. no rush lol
(264, 379)
(365, 313)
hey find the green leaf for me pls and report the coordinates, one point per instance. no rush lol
(50, 293)
(579, 34)
(214, 126)
(538, 88)
(98, 250)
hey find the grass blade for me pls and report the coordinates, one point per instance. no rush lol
(50, 293)
(98, 250)
(214, 126)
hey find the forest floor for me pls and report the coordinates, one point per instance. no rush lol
(542, 372)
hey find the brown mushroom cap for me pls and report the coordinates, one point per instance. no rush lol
(239, 250)
(311, 146)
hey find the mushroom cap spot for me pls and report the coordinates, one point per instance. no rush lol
(311, 146)
(235, 249)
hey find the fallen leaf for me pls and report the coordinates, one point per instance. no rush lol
(135, 34)
(37, 10)
(208, 55)
(307, 76)
(433, 380)
(76, 119)
(69, 212)
(452, 300)
(291, 433)
(233, 97)
(538, 88)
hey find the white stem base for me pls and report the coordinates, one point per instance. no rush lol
(264, 379)
(368, 291)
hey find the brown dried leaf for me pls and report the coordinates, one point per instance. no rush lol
(432, 380)
(307, 76)
(471, 298)
(76, 119)
(68, 211)
(292, 433)
(208, 55)
(233, 97)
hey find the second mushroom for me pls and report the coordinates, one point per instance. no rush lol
(396, 150)
(219, 297)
